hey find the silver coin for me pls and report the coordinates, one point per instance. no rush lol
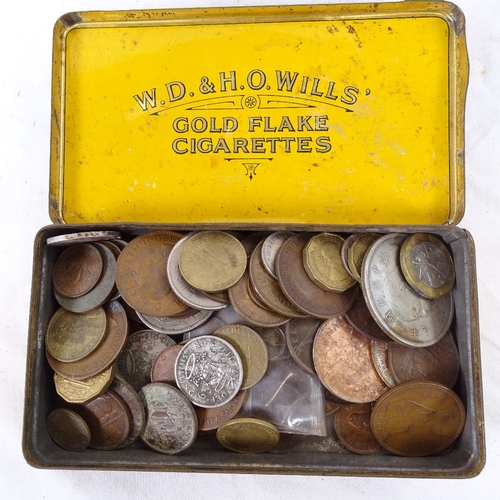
(171, 424)
(189, 295)
(270, 248)
(209, 371)
(83, 237)
(174, 326)
(138, 355)
(379, 357)
(404, 315)
(344, 252)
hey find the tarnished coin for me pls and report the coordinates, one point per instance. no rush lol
(275, 342)
(134, 406)
(249, 310)
(138, 355)
(212, 260)
(343, 363)
(267, 288)
(299, 288)
(163, 368)
(404, 315)
(381, 361)
(171, 423)
(248, 435)
(352, 426)
(427, 265)
(77, 270)
(439, 362)
(71, 336)
(251, 240)
(141, 274)
(416, 419)
(270, 248)
(68, 429)
(177, 325)
(300, 335)
(105, 353)
(83, 237)
(333, 403)
(209, 371)
(210, 419)
(100, 293)
(108, 419)
(357, 251)
(323, 263)
(361, 319)
(189, 295)
(81, 391)
(251, 349)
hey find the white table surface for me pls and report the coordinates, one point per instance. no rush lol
(26, 54)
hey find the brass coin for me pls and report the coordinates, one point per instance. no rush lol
(141, 274)
(68, 429)
(249, 310)
(212, 418)
(212, 260)
(343, 363)
(300, 335)
(352, 426)
(323, 263)
(252, 350)
(108, 419)
(171, 423)
(299, 288)
(248, 435)
(427, 265)
(101, 292)
(356, 253)
(416, 419)
(361, 319)
(77, 270)
(267, 288)
(71, 336)
(439, 362)
(105, 353)
(81, 391)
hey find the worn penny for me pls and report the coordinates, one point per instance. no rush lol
(163, 368)
(68, 429)
(211, 418)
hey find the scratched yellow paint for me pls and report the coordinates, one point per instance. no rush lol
(297, 119)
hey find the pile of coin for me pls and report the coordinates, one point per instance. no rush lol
(169, 331)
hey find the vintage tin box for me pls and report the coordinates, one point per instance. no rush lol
(341, 118)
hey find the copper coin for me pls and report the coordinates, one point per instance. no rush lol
(251, 349)
(105, 353)
(300, 335)
(72, 336)
(108, 420)
(211, 418)
(251, 240)
(141, 274)
(249, 310)
(343, 363)
(333, 403)
(138, 355)
(352, 425)
(299, 288)
(171, 423)
(68, 429)
(439, 362)
(381, 361)
(268, 288)
(416, 419)
(100, 293)
(134, 407)
(77, 270)
(361, 319)
(163, 366)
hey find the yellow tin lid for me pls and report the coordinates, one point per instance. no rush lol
(324, 114)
